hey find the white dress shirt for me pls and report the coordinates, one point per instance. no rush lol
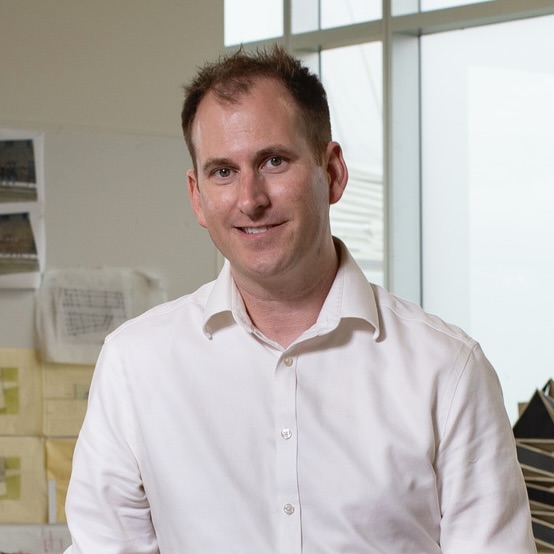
(380, 430)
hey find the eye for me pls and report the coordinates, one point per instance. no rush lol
(275, 161)
(223, 173)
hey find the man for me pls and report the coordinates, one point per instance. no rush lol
(289, 406)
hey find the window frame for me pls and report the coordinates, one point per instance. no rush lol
(399, 35)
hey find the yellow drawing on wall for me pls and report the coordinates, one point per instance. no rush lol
(9, 390)
(65, 398)
(21, 396)
(10, 478)
(25, 499)
(59, 454)
(42, 406)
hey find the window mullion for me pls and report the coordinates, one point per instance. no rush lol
(470, 15)
(401, 141)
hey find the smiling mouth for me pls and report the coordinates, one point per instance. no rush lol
(256, 230)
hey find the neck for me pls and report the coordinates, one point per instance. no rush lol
(282, 309)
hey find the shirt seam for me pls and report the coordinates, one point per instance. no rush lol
(455, 386)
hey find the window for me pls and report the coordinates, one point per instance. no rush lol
(488, 194)
(352, 76)
(310, 15)
(251, 20)
(425, 135)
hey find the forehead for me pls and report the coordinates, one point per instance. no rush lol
(266, 110)
(265, 95)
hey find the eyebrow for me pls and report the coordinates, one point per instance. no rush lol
(275, 150)
(212, 163)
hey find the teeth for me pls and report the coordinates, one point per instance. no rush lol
(255, 230)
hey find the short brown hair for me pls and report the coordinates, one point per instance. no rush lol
(234, 74)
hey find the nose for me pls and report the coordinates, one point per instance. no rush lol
(253, 197)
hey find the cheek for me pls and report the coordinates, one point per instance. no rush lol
(315, 197)
(317, 206)
(215, 207)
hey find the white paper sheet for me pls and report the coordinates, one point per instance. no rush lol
(78, 307)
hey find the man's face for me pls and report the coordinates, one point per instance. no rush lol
(258, 188)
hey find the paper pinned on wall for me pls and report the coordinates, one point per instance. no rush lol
(59, 455)
(2, 395)
(78, 307)
(66, 390)
(25, 499)
(21, 383)
(3, 482)
(36, 445)
(22, 228)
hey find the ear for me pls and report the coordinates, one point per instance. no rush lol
(195, 197)
(336, 170)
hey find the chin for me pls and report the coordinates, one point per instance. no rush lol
(261, 271)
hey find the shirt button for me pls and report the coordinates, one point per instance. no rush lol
(288, 509)
(286, 434)
(288, 361)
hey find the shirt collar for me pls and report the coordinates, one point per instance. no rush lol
(218, 312)
(351, 296)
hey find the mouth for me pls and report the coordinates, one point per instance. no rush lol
(256, 230)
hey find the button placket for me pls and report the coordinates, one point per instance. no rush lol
(286, 455)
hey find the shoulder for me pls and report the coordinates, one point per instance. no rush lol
(185, 311)
(403, 315)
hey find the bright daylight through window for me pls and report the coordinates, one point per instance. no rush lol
(488, 194)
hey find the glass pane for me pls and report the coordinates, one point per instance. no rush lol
(305, 16)
(427, 5)
(336, 13)
(353, 79)
(488, 194)
(311, 15)
(252, 20)
(403, 7)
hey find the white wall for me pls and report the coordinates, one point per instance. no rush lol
(103, 80)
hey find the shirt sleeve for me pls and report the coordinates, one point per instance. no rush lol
(107, 509)
(482, 494)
